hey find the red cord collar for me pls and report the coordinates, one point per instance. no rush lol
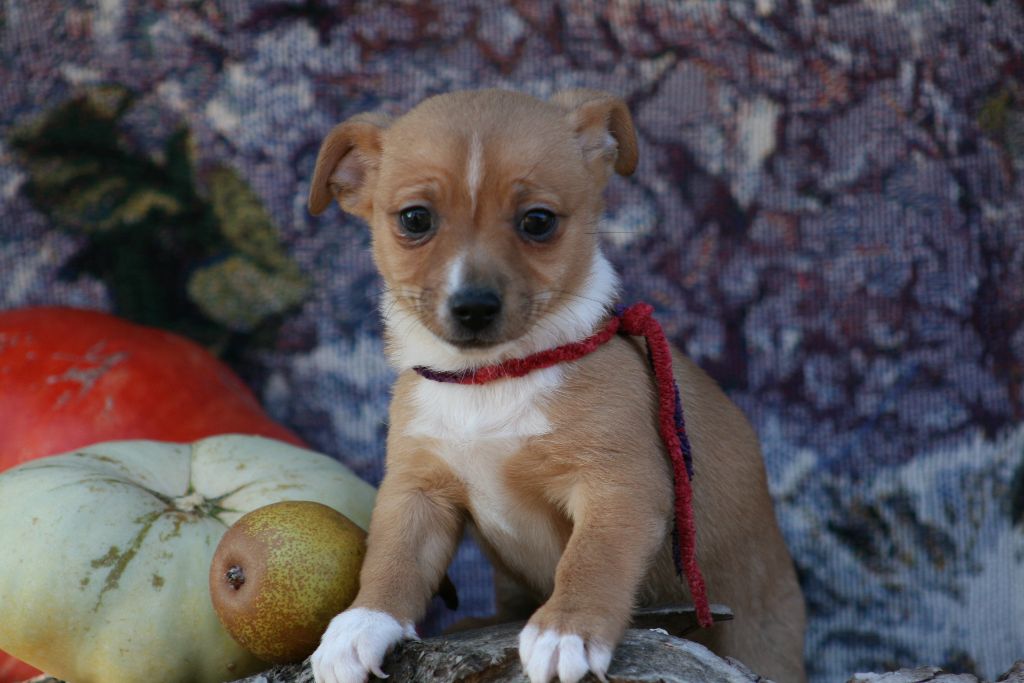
(637, 320)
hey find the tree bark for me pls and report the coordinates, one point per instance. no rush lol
(930, 674)
(491, 655)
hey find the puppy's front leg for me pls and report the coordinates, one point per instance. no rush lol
(416, 524)
(617, 529)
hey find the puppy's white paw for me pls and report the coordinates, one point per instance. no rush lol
(546, 653)
(354, 646)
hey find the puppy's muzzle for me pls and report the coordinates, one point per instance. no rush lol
(474, 309)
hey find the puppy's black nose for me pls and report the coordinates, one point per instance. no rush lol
(474, 309)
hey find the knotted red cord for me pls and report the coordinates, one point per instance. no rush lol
(637, 320)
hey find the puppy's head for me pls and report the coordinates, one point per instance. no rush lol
(483, 204)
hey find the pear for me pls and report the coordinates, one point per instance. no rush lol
(281, 572)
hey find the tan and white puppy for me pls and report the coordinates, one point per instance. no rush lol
(484, 209)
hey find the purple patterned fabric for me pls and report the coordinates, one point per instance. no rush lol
(828, 216)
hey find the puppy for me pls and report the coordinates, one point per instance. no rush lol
(484, 209)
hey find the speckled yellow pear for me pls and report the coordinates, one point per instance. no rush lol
(280, 574)
(108, 550)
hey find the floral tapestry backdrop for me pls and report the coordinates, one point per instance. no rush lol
(828, 216)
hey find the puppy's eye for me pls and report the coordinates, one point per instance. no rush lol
(538, 225)
(415, 221)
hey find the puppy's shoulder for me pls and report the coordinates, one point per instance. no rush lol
(609, 393)
(615, 386)
(710, 413)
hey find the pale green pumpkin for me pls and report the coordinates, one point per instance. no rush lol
(106, 552)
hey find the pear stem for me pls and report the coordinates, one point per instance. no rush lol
(235, 576)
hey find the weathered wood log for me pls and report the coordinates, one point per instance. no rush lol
(932, 674)
(491, 655)
(636, 661)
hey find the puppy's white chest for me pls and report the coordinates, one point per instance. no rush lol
(477, 429)
(505, 409)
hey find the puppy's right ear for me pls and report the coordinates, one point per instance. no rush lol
(346, 167)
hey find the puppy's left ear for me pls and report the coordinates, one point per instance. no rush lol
(603, 126)
(346, 167)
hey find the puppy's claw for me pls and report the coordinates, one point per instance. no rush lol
(345, 672)
(546, 653)
(599, 657)
(354, 646)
